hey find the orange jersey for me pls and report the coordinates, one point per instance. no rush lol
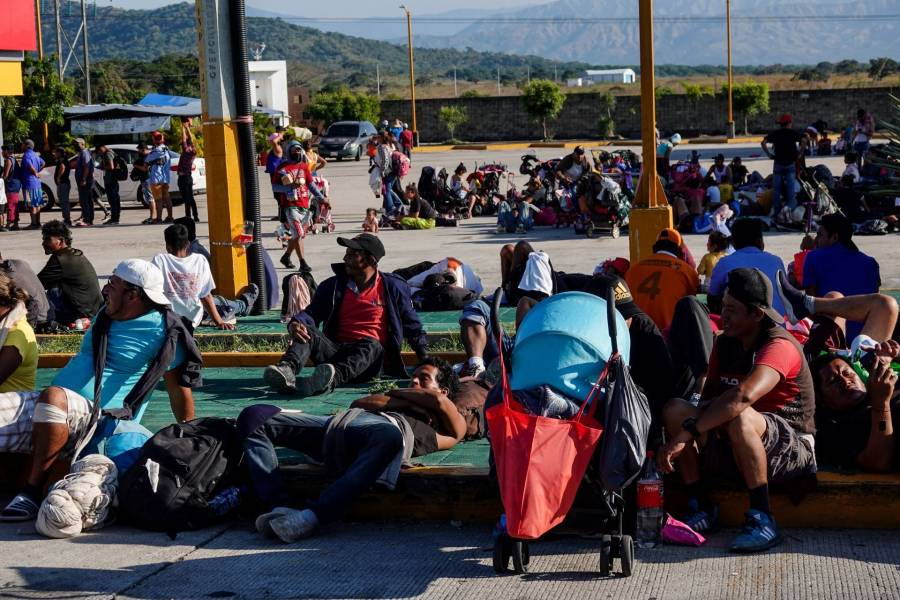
(658, 283)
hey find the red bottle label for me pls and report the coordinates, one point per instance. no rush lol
(650, 494)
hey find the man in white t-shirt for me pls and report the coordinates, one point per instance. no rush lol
(188, 279)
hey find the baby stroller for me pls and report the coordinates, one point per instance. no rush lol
(609, 207)
(573, 336)
(322, 219)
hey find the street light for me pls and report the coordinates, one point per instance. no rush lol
(730, 78)
(412, 75)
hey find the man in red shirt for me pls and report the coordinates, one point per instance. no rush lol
(365, 315)
(406, 140)
(755, 415)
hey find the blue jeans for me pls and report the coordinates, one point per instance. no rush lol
(86, 200)
(370, 438)
(237, 306)
(861, 148)
(392, 202)
(479, 312)
(784, 175)
(62, 199)
(511, 221)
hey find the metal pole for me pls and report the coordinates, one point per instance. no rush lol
(498, 80)
(528, 76)
(59, 58)
(40, 45)
(455, 90)
(412, 74)
(730, 77)
(87, 64)
(378, 79)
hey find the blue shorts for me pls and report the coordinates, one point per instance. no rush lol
(479, 312)
(33, 197)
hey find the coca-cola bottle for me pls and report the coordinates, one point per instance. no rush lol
(650, 513)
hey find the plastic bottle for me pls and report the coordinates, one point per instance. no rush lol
(650, 513)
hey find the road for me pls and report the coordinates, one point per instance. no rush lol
(475, 241)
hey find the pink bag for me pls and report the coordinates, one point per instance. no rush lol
(676, 532)
(547, 216)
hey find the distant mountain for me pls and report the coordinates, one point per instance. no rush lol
(800, 36)
(314, 57)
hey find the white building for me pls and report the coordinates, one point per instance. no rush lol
(593, 77)
(268, 88)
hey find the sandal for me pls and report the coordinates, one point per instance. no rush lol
(20, 508)
(147, 221)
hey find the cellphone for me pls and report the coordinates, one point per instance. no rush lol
(868, 361)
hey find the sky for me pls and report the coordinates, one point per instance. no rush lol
(344, 8)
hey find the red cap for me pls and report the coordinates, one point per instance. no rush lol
(785, 119)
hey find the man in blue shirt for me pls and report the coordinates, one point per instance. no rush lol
(160, 173)
(837, 265)
(32, 164)
(747, 238)
(84, 178)
(142, 336)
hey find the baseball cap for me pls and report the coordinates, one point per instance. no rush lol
(785, 118)
(752, 287)
(144, 275)
(600, 285)
(80, 141)
(619, 265)
(671, 235)
(365, 242)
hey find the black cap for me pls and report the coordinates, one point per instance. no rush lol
(366, 242)
(600, 285)
(753, 288)
(579, 150)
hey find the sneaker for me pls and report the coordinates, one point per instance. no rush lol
(264, 521)
(295, 526)
(760, 533)
(250, 294)
(280, 378)
(470, 370)
(501, 229)
(20, 508)
(794, 300)
(168, 220)
(111, 221)
(520, 229)
(702, 521)
(286, 261)
(320, 382)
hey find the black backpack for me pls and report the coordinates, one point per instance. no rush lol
(196, 460)
(120, 172)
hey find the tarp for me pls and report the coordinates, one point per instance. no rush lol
(119, 126)
(153, 99)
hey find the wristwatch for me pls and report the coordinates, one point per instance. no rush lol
(690, 425)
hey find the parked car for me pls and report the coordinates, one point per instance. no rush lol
(128, 189)
(346, 139)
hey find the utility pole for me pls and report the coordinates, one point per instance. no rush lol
(412, 74)
(730, 76)
(555, 75)
(40, 45)
(87, 64)
(652, 212)
(528, 76)
(378, 80)
(59, 58)
(455, 91)
(498, 80)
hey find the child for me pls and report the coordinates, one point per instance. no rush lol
(824, 147)
(370, 225)
(716, 248)
(852, 169)
(795, 269)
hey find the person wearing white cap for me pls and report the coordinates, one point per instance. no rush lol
(134, 341)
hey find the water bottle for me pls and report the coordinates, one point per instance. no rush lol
(650, 513)
(226, 500)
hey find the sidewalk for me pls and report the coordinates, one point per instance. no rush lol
(494, 146)
(432, 561)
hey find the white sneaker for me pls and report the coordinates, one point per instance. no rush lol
(295, 526)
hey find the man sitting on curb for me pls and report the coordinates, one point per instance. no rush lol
(365, 316)
(857, 400)
(755, 415)
(142, 340)
(365, 445)
(69, 277)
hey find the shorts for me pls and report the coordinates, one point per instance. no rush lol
(159, 190)
(17, 420)
(297, 219)
(33, 197)
(789, 454)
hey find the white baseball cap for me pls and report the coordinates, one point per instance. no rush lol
(144, 275)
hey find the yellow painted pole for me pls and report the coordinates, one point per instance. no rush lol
(730, 75)
(412, 74)
(652, 211)
(40, 47)
(220, 149)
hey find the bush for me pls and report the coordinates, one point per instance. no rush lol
(452, 117)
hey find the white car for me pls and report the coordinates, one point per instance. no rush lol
(128, 189)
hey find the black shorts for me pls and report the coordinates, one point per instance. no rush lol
(789, 454)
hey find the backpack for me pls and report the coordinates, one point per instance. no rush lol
(178, 471)
(120, 172)
(400, 164)
(443, 297)
(14, 183)
(139, 174)
(297, 290)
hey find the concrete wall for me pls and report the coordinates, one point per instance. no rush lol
(499, 118)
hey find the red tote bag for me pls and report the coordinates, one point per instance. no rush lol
(540, 461)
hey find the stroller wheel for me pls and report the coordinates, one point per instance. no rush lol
(521, 556)
(606, 557)
(626, 555)
(477, 209)
(589, 229)
(615, 231)
(502, 553)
